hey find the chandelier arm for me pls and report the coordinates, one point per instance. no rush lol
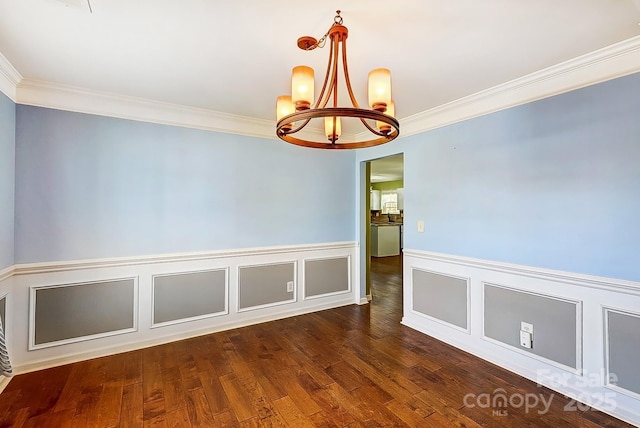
(347, 81)
(335, 76)
(326, 78)
(299, 127)
(370, 128)
(334, 71)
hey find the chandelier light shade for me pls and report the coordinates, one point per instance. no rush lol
(332, 127)
(379, 89)
(302, 80)
(296, 111)
(285, 107)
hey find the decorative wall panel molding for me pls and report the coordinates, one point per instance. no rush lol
(326, 276)
(621, 339)
(579, 302)
(29, 354)
(442, 298)
(189, 296)
(557, 337)
(68, 313)
(266, 285)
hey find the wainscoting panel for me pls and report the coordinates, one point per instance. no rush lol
(441, 297)
(622, 333)
(326, 276)
(260, 286)
(73, 312)
(189, 296)
(63, 312)
(556, 331)
(578, 339)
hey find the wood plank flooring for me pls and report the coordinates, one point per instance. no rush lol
(354, 366)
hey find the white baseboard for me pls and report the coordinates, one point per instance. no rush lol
(4, 381)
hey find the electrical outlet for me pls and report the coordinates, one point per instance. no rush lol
(525, 339)
(289, 286)
(525, 326)
(420, 225)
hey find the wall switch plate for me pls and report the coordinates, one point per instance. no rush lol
(289, 286)
(525, 339)
(420, 225)
(525, 326)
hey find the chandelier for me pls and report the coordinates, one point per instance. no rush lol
(295, 111)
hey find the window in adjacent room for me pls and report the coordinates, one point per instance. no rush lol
(389, 202)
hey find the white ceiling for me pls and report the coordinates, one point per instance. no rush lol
(235, 56)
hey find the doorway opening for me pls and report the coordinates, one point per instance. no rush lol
(385, 226)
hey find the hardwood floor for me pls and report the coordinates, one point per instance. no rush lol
(347, 367)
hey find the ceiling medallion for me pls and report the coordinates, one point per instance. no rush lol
(294, 112)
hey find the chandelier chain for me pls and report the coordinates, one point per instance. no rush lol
(337, 20)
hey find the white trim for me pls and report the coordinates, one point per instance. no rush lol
(65, 97)
(271, 304)
(9, 78)
(225, 311)
(617, 60)
(467, 280)
(332, 293)
(32, 346)
(62, 266)
(4, 381)
(607, 384)
(570, 278)
(578, 337)
(7, 273)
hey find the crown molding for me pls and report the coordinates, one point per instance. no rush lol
(64, 97)
(9, 78)
(613, 61)
(617, 60)
(71, 98)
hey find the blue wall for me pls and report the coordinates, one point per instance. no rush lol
(7, 180)
(553, 184)
(90, 186)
